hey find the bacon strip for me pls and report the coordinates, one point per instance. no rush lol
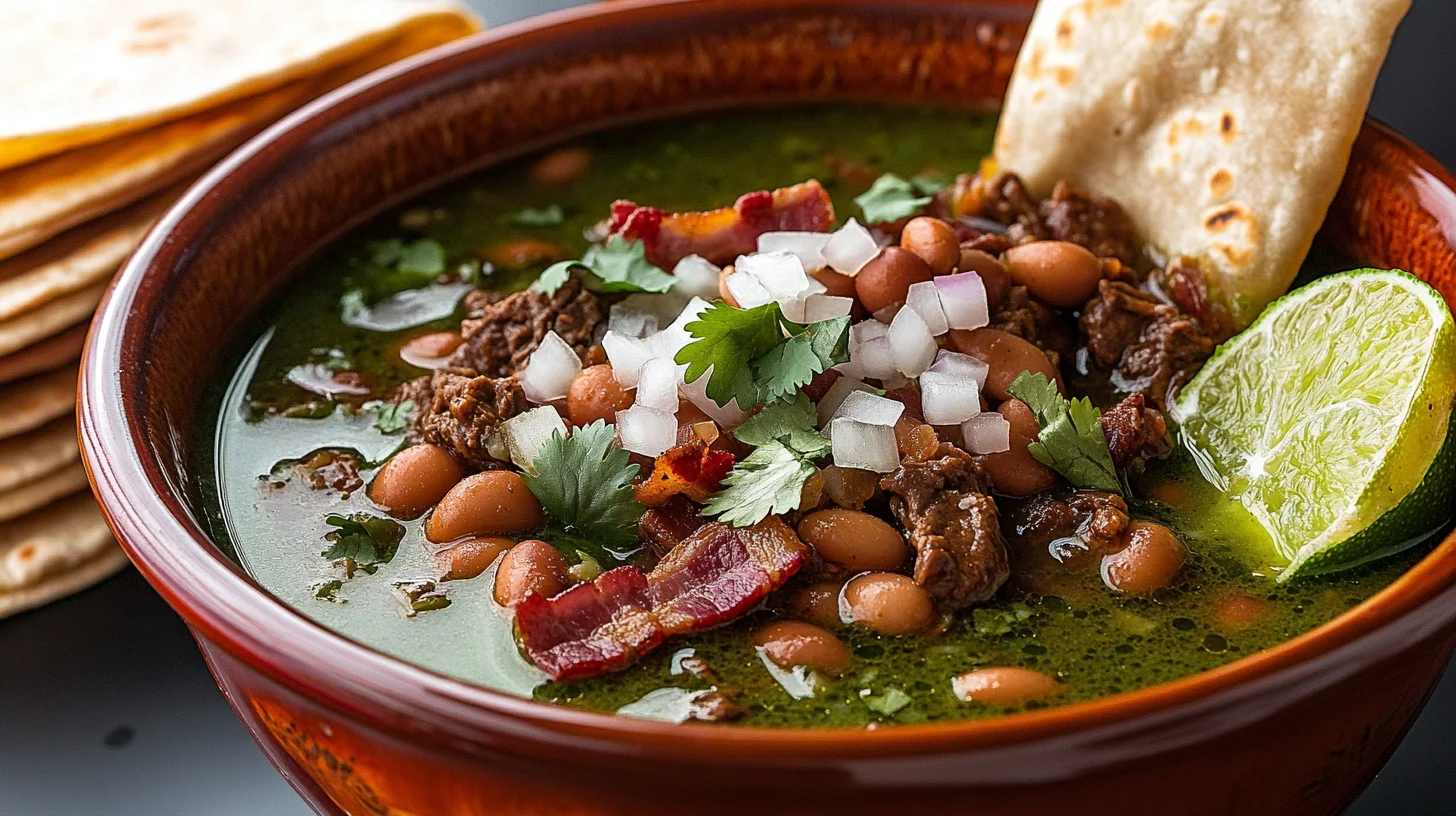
(693, 470)
(716, 575)
(724, 234)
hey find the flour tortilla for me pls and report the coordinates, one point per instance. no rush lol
(53, 552)
(25, 458)
(44, 490)
(1222, 126)
(31, 403)
(44, 355)
(55, 316)
(78, 72)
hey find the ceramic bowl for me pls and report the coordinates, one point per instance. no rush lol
(1300, 728)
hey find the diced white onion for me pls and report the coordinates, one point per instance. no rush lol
(961, 365)
(948, 399)
(808, 246)
(875, 358)
(696, 277)
(963, 297)
(526, 433)
(657, 387)
(863, 446)
(865, 331)
(729, 416)
(871, 409)
(746, 290)
(781, 273)
(987, 433)
(922, 297)
(849, 249)
(625, 318)
(550, 369)
(627, 355)
(826, 307)
(669, 341)
(911, 343)
(646, 431)
(835, 396)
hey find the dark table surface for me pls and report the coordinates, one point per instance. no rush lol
(106, 706)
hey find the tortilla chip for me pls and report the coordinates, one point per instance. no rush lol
(23, 459)
(45, 355)
(79, 72)
(31, 403)
(1223, 127)
(44, 490)
(61, 313)
(53, 552)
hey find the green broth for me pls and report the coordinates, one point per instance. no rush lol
(1069, 627)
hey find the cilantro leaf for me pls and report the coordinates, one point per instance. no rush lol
(555, 276)
(789, 422)
(392, 417)
(548, 216)
(422, 257)
(728, 340)
(888, 703)
(928, 185)
(1071, 441)
(769, 481)
(585, 484)
(364, 539)
(619, 266)
(891, 198)
(995, 622)
(793, 363)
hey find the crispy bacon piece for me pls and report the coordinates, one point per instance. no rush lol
(722, 235)
(693, 470)
(716, 575)
(665, 527)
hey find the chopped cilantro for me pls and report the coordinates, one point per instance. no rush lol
(995, 622)
(769, 481)
(420, 596)
(888, 703)
(422, 257)
(392, 417)
(585, 484)
(328, 590)
(790, 422)
(792, 364)
(891, 198)
(758, 356)
(362, 540)
(548, 216)
(619, 266)
(1071, 441)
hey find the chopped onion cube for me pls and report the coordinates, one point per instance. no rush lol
(627, 355)
(922, 297)
(948, 399)
(963, 297)
(526, 433)
(835, 396)
(871, 409)
(875, 358)
(550, 369)
(849, 249)
(746, 290)
(781, 274)
(808, 246)
(863, 446)
(961, 365)
(669, 341)
(646, 431)
(911, 343)
(625, 318)
(987, 433)
(729, 416)
(826, 307)
(696, 277)
(657, 388)
(865, 331)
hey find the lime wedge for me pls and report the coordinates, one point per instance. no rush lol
(1329, 419)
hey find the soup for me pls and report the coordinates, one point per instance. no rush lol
(844, 612)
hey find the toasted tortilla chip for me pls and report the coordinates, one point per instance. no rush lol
(53, 552)
(32, 402)
(49, 319)
(44, 355)
(1222, 126)
(25, 458)
(44, 490)
(78, 72)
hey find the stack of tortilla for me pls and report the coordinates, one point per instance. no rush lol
(110, 108)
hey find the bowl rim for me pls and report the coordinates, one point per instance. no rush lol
(221, 603)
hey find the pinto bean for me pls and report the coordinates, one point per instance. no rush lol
(1004, 686)
(561, 166)
(414, 479)
(1007, 356)
(430, 347)
(531, 566)
(1152, 557)
(1059, 273)
(795, 643)
(818, 604)
(1016, 472)
(854, 539)
(848, 487)
(835, 283)
(524, 252)
(993, 274)
(1240, 613)
(885, 280)
(887, 602)
(467, 559)
(496, 502)
(595, 394)
(934, 241)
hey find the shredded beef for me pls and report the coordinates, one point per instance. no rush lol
(328, 469)
(503, 333)
(1097, 223)
(1070, 526)
(1031, 321)
(953, 525)
(464, 409)
(1005, 199)
(1154, 347)
(1134, 431)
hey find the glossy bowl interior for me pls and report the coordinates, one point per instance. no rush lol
(358, 731)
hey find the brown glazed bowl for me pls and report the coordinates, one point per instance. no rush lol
(1298, 729)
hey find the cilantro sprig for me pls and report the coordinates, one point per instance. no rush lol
(362, 540)
(891, 197)
(771, 479)
(1071, 441)
(392, 417)
(757, 355)
(585, 485)
(617, 266)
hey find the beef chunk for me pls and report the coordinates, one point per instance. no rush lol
(1071, 526)
(501, 333)
(1033, 322)
(324, 469)
(1134, 431)
(464, 409)
(1005, 199)
(1097, 223)
(960, 555)
(1154, 347)
(1116, 318)
(419, 391)
(1101, 519)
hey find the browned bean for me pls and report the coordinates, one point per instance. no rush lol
(884, 281)
(496, 502)
(934, 241)
(1240, 613)
(531, 566)
(1007, 356)
(561, 166)
(467, 559)
(854, 539)
(524, 252)
(1004, 686)
(818, 604)
(1016, 472)
(795, 643)
(915, 439)
(1060, 273)
(993, 274)
(887, 602)
(595, 394)
(1152, 557)
(835, 284)
(432, 346)
(414, 479)
(848, 487)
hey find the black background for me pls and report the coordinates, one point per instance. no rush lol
(106, 707)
